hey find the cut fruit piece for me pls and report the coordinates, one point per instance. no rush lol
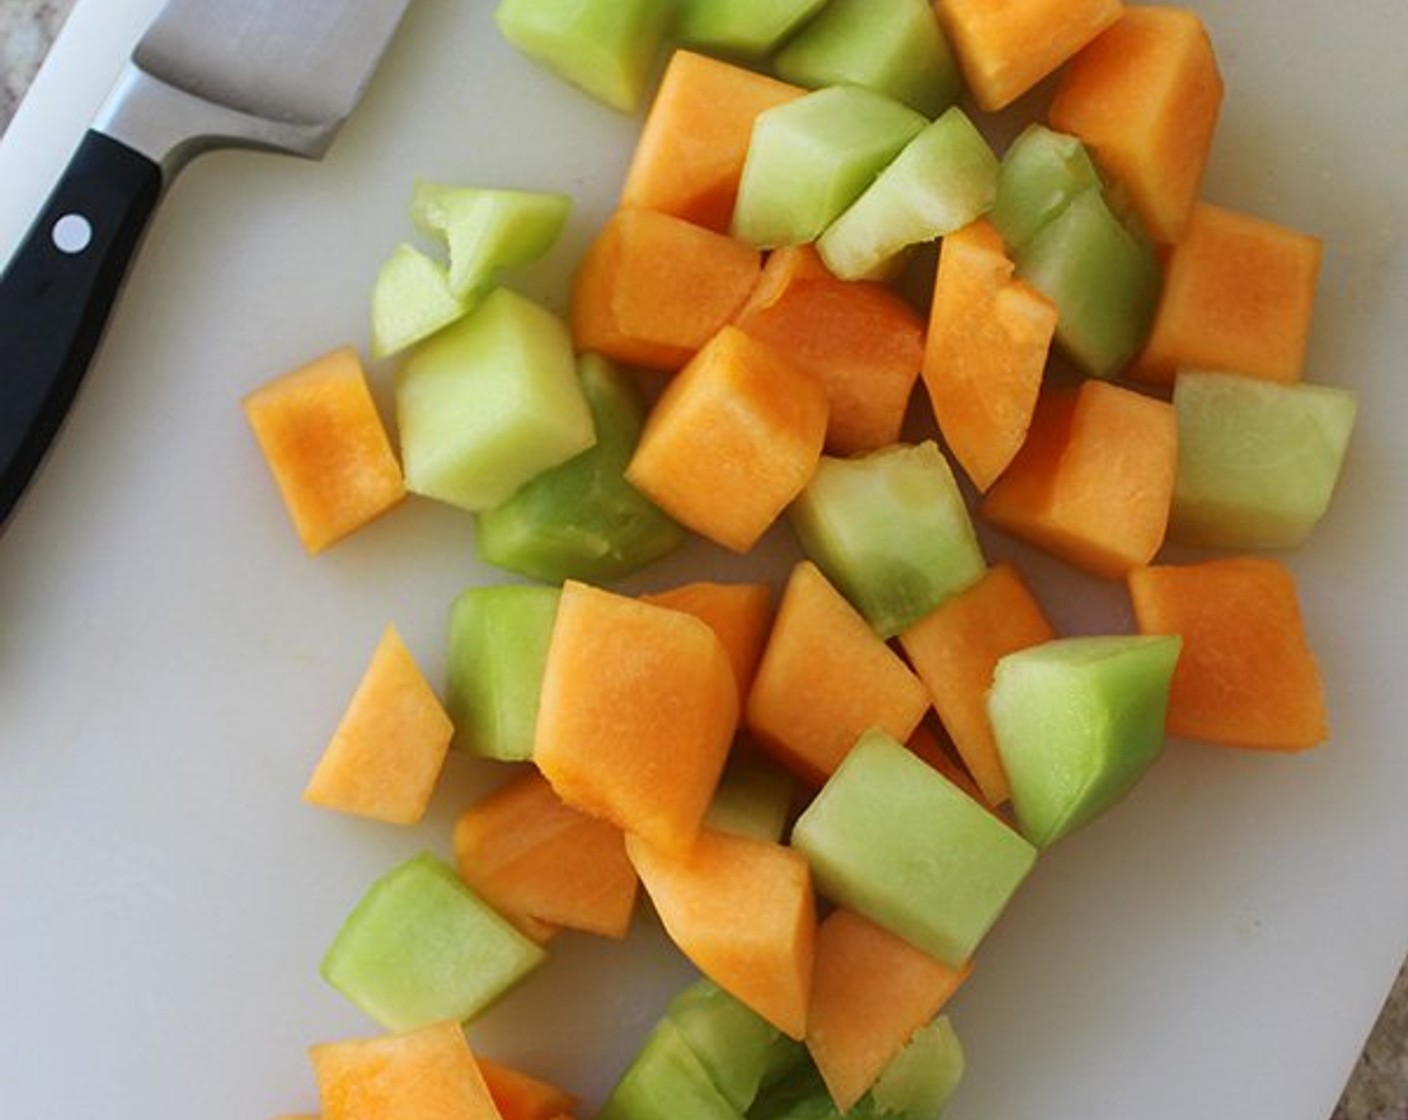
(919, 1080)
(1145, 95)
(691, 150)
(732, 440)
(825, 678)
(1258, 461)
(421, 947)
(754, 797)
(1247, 676)
(1237, 296)
(1041, 172)
(933, 744)
(386, 755)
(861, 340)
(955, 649)
(582, 519)
(1078, 721)
(743, 911)
(605, 47)
(733, 1042)
(894, 47)
(666, 1069)
(811, 158)
(1094, 482)
(943, 179)
(985, 354)
(498, 645)
(747, 28)
(653, 289)
(520, 1096)
(490, 402)
(891, 531)
(892, 839)
(543, 864)
(638, 709)
(326, 447)
(1006, 48)
(411, 300)
(739, 613)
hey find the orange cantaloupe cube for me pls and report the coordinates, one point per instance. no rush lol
(652, 288)
(739, 613)
(389, 747)
(327, 447)
(426, 1074)
(933, 744)
(744, 911)
(955, 649)
(824, 678)
(1093, 484)
(1005, 47)
(860, 339)
(520, 1096)
(1237, 298)
(1144, 97)
(692, 147)
(637, 712)
(732, 440)
(985, 354)
(543, 864)
(1246, 676)
(871, 990)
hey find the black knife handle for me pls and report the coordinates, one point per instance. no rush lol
(57, 291)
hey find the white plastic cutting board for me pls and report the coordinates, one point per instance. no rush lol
(171, 664)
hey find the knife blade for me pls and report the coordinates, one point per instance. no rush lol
(268, 74)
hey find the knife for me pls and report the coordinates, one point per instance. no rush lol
(278, 75)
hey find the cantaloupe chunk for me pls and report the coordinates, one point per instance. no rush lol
(989, 336)
(826, 677)
(638, 709)
(733, 439)
(863, 342)
(739, 613)
(692, 146)
(933, 744)
(652, 288)
(325, 443)
(1144, 96)
(1237, 298)
(871, 990)
(543, 864)
(387, 752)
(955, 649)
(520, 1096)
(1093, 484)
(1005, 47)
(1247, 676)
(744, 912)
(427, 1074)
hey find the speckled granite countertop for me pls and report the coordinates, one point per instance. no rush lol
(1378, 1089)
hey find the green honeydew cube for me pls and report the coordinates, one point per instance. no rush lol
(732, 1042)
(742, 28)
(489, 402)
(810, 158)
(666, 1071)
(411, 300)
(1041, 172)
(1078, 721)
(753, 798)
(498, 647)
(891, 838)
(943, 179)
(891, 531)
(582, 519)
(1258, 461)
(422, 948)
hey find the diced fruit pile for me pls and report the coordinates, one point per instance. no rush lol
(831, 781)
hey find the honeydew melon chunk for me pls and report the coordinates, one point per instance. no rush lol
(411, 300)
(1103, 279)
(743, 28)
(582, 519)
(891, 531)
(753, 797)
(918, 1081)
(498, 646)
(665, 1071)
(891, 838)
(422, 948)
(1258, 461)
(733, 1043)
(1041, 172)
(605, 47)
(487, 230)
(943, 179)
(490, 402)
(895, 47)
(1077, 722)
(810, 158)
